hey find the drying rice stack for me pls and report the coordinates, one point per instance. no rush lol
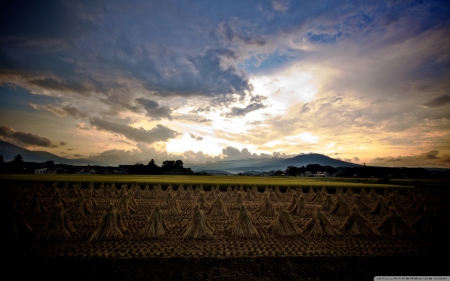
(80, 207)
(427, 223)
(340, 208)
(319, 225)
(283, 225)
(155, 226)
(394, 225)
(243, 226)
(173, 207)
(20, 225)
(327, 203)
(110, 226)
(202, 203)
(198, 228)
(266, 208)
(300, 207)
(381, 208)
(239, 201)
(59, 227)
(359, 204)
(217, 208)
(373, 195)
(358, 225)
(318, 197)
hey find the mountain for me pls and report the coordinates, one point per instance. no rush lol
(10, 150)
(269, 164)
(220, 167)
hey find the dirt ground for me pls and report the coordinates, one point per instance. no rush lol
(222, 257)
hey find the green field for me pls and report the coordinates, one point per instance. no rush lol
(208, 181)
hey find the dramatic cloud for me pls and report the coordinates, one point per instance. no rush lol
(158, 133)
(60, 111)
(427, 159)
(238, 112)
(154, 110)
(438, 102)
(10, 134)
(195, 137)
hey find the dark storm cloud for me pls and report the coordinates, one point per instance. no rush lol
(62, 143)
(154, 110)
(438, 101)
(195, 137)
(25, 138)
(61, 111)
(158, 133)
(239, 112)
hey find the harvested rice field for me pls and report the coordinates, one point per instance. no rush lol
(232, 233)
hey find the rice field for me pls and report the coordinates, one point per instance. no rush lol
(108, 221)
(207, 181)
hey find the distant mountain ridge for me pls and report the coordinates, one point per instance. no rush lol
(9, 150)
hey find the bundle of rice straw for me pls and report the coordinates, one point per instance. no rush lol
(392, 201)
(363, 192)
(211, 196)
(299, 208)
(188, 195)
(358, 225)
(294, 200)
(311, 192)
(180, 192)
(235, 192)
(110, 226)
(340, 208)
(239, 201)
(393, 224)
(217, 208)
(278, 192)
(137, 192)
(241, 189)
(283, 225)
(228, 195)
(318, 197)
(266, 208)
(79, 207)
(169, 197)
(422, 205)
(427, 223)
(155, 227)
(173, 207)
(319, 225)
(327, 203)
(59, 227)
(386, 193)
(169, 189)
(381, 208)
(217, 190)
(359, 204)
(125, 205)
(198, 228)
(36, 205)
(146, 192)
(288, 191)
(249, 196)
(272, 195)
(20, 225)
(349, 193)
(202, 203)
(56, 200)
(243, 226)
(373, 195)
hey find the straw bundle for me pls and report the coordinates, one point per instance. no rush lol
(327, 203)
(243, 226)
(155, 227)
(239, 201)
(217, 208)
(299, 208)
(110, 226)
(359, 204)
(59, 227)
(198, 228)
(173, 207)
(80, 207)
(393, 224)
(427, 223)
(340, 208)
(202, 203)
(319, 225)
(266, 208)
(283, 225)
(381, 208)
(358, 225)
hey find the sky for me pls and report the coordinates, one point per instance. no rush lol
(129, 81)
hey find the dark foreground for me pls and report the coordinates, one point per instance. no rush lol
(277, 268)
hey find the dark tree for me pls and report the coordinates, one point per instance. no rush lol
(153, 169)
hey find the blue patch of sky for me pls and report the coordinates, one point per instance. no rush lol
(271, 63)
(17, 98)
